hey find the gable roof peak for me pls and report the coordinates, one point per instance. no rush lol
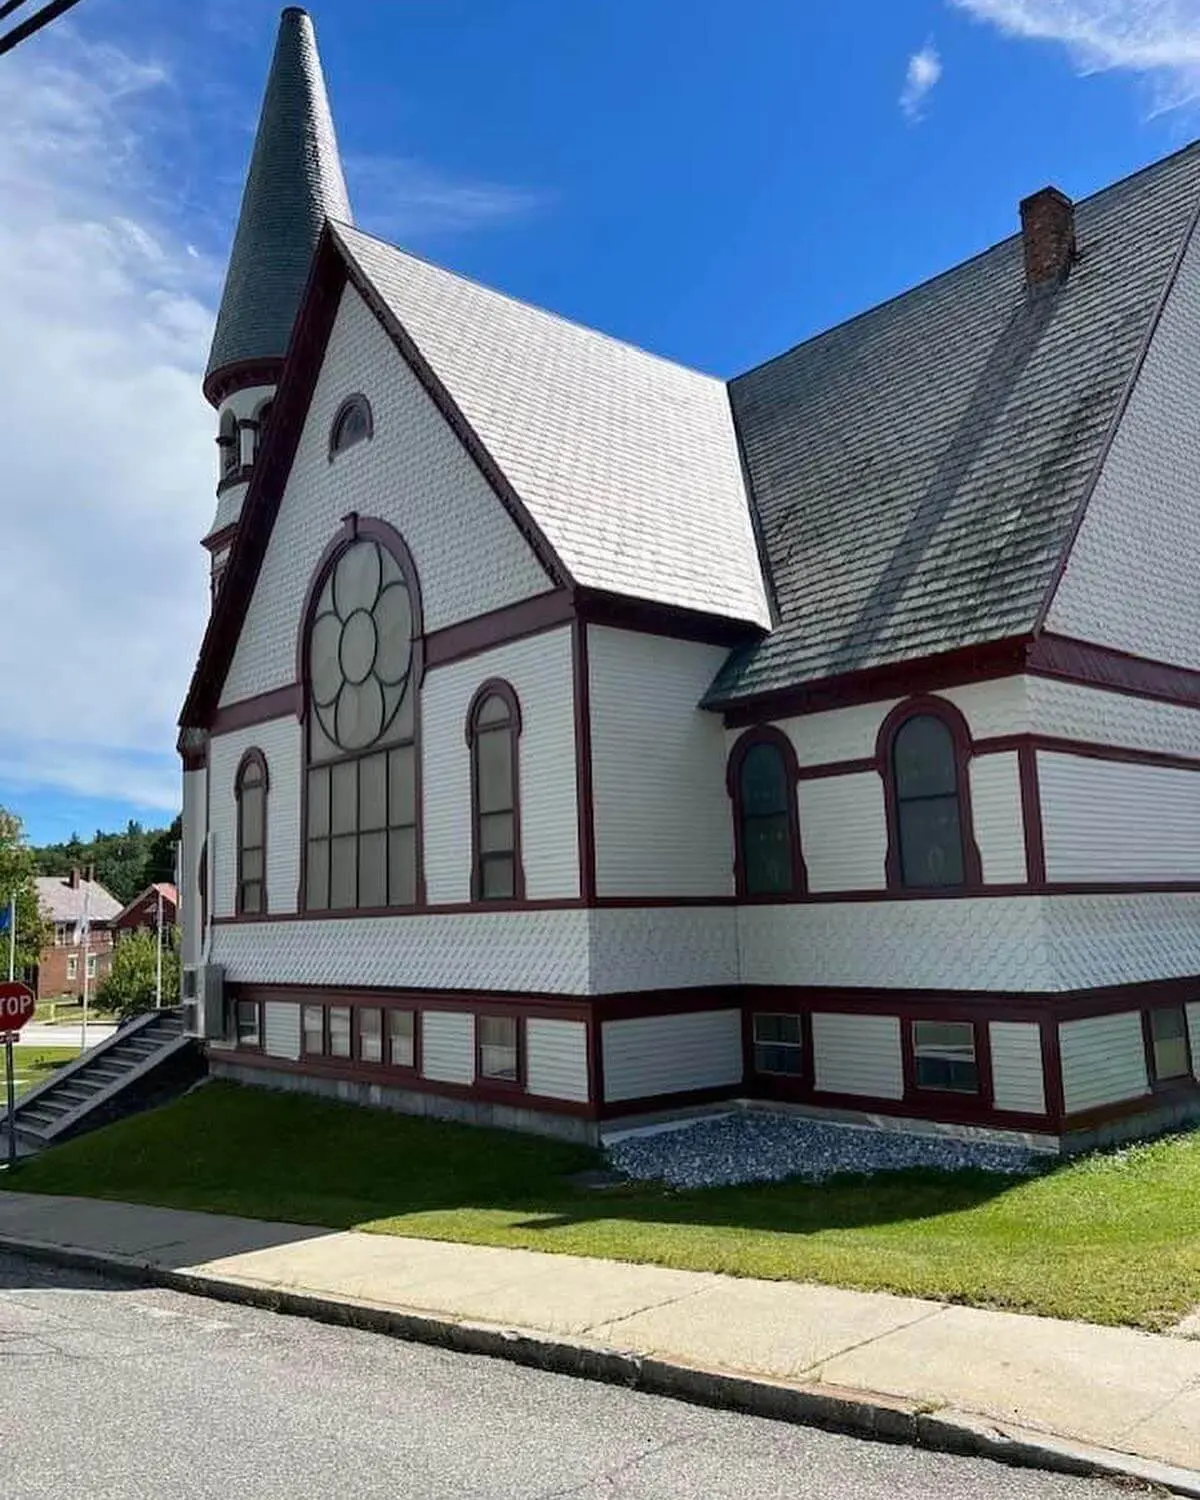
(294, 184)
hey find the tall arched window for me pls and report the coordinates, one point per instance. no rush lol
(924, 749)
(762, 780)
(362, 669)
(227, 444)
(250, 789)
(262, 416)
(493, 729)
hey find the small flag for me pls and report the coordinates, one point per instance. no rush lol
(5, 918)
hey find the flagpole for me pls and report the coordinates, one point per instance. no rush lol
(87, 945)
(158, 959)
(12, 937)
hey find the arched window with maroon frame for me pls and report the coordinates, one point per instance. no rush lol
(762, 778)
(924, 756)
(361, 660)
(250, 789)
(493, 735)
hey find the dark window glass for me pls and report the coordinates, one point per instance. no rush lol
(372, 870)
(928, 812)
(247, 1022)
(401, 1038)
(498, 1048)
(945, 1056)
(251, 793)
(370, 1035)
(493, 733)
(778, 1044)
(1169, 1038)
(314, 1029)
(766, 822)
(353, 425)
(343, 873)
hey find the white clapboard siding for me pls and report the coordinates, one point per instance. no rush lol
(1103, 1060)
(448, 1046)
(662, 812)
(556, 1062)
(843, 832)
(858, 1055)
(997, 816)
(414, 473)
(280, 741)
(194, 829)
(1193, 1020)
(672, 1054)
(1018, 1082)
(1111, 820)
(281, 1029)
(539, 671)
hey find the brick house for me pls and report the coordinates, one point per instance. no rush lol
(577, 736)
(141, 915)
(63, 901)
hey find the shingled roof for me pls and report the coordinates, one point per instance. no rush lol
(627, 462)
(917, 470)
(295, 183)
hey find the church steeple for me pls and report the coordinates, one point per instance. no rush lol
(295, 182)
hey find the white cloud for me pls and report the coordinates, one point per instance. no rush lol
(404, 200)
(924, 70)
(1158, 39)
(108, 471)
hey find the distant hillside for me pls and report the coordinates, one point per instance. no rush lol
(125, 863)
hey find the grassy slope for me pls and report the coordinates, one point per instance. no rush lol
(1113, 1239)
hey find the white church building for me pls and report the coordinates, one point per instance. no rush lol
(577, 736)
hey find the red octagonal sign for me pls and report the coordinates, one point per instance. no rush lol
(17, 1005)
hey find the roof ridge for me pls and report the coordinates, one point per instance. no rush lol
(929, 281)
(522, 302)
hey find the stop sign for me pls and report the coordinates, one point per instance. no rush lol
(17, 1005)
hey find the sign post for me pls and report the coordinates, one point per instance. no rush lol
(17, 1005)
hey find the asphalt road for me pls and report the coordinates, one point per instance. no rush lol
(110, 1393)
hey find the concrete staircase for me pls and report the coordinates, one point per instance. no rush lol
(144, 1062)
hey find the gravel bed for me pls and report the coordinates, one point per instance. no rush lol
(754, 1146)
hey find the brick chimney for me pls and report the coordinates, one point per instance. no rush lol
(73, 878)
(1048, 229)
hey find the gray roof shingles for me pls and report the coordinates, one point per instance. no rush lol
(295, 182)
(916, 471)
(60, 901)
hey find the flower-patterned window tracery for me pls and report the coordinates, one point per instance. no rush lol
(362, 661)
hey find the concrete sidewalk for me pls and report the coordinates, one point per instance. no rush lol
(1059, 1395)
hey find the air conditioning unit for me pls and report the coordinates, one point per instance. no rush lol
(204, 1009)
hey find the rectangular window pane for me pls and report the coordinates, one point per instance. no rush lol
(247, 1023)
(252, 817)
(345, 797)
(931, 842)
(767, 851)
(777, 1044)
(252, 897)
(496, 833)
(317, 895)
(370, 1035)
(1168, 1031)
(493, 752)
(372, 792)
(314, 1029)
(402, 799)
(252, 864)
(339, 1031)
(499, 877)
(945, 1056)
(343, 873)
(372, 869)
(498, 1048)
(401, 1038)
(402, 867)
(318, 803)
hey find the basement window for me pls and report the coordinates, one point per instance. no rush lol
(778, 1045)
(370, 1035)
(314, 1030)
(339, 1031)
(1169, 1049)
(402, 1039)
(944, 1054)
(248, 1034)
(498, 1049)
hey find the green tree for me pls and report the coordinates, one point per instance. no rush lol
(128, 988)
(17, 867)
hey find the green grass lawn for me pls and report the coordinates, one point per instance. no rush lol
(1112, 1239)
(33, 1065)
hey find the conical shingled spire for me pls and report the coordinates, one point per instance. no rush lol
(295, 182)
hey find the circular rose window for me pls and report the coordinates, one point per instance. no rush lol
(361, 648)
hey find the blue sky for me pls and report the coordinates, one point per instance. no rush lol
(711, 182)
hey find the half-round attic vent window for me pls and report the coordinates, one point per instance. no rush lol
(353, 424)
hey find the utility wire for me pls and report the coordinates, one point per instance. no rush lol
(25, 29)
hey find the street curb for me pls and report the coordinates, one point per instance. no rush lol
(858, 1413)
